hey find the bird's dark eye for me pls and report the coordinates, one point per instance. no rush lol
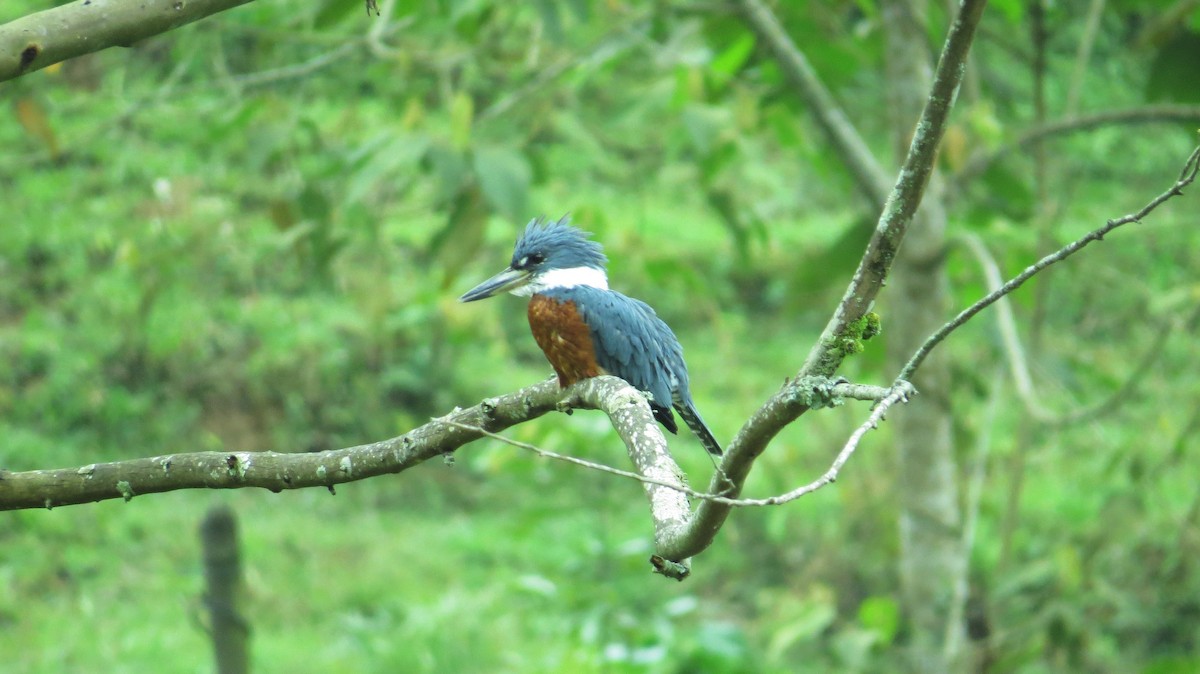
(537, 258)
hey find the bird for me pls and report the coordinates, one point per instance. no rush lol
(586, 329)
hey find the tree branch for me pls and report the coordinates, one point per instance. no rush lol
(660, 475)
(1149, 114)
(1019, 364)
(844, 332)
(278, 471)
(42, 39)
(971, 506)
(872, 180)
(1186, 177)
(884, 397)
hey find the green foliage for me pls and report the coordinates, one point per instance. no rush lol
(202, 252)
(1169, 74)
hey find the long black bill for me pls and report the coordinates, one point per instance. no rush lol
(509, 279)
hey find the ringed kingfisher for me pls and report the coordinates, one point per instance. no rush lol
(587, 330)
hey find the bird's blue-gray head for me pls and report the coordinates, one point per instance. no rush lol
(548, 255)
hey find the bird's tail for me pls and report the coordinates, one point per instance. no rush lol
(692, 418)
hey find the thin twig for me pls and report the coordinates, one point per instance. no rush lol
(873, 182)
(1148, 114)
(606, 49)
(1011, 341)
(294, 70)
(1186, 177)
(1083, 54)
(592, 465)
(900, 392)
(1019, 364)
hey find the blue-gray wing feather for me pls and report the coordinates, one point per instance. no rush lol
(633, 343)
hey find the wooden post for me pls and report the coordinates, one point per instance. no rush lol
(223, 580)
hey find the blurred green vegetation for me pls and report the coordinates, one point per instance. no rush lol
(204, 250)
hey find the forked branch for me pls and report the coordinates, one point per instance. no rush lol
(831, 348)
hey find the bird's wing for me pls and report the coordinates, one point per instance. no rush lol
(633, 343)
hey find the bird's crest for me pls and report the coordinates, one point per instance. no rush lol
(559, 245)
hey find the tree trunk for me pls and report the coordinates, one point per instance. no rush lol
(931, 555)
(223, 578)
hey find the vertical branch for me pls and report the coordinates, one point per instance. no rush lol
(1083, 54)
(909, 189)
(1038, 37)
(223, 581)
(955, 620)
(931, 559)
(830, 349)
(1027, 434)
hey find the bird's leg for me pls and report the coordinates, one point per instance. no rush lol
(563, 406)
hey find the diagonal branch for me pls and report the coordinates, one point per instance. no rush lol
(1148, 114)
(1186, 177)
(845, 327)
(42, 39)
(873, 181)
(1018, 363)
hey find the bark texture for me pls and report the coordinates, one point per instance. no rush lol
(40, 40)
(931, 558)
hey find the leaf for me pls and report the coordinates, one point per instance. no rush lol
(814, 617)
(1007, 192)
(550, 13)
(1173, 665)
(449, 168)
(786, 125)
(282, 214)
(689, 86)
(730, 61)
(721, 647)
(955, 147)
(880, 614)
(334, 11)
(1012, 10)
(1069, 567)
(853, 648)
(455, 244)
(462, 115)
(830, 267)
(389, 161)
(504, 177)
(36, 123)
(1173, 73)
(314, 205)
